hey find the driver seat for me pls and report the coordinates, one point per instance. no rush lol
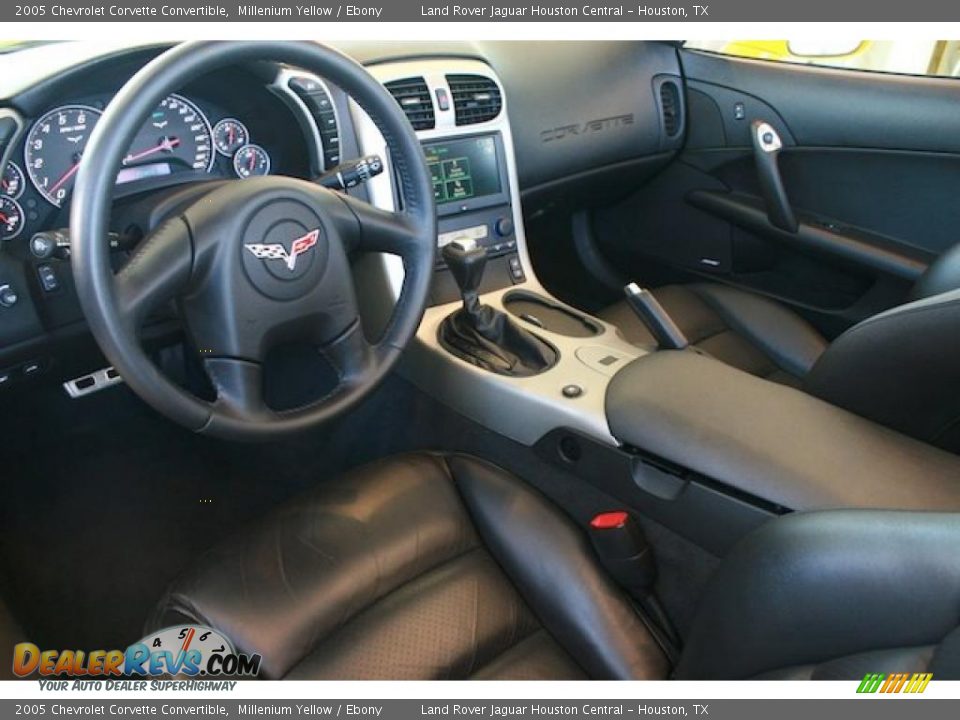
(434, 566)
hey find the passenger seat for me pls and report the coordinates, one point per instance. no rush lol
(747, 331)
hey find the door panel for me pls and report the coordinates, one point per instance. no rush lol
(871, 166)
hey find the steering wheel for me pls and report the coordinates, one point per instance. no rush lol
(240, 295)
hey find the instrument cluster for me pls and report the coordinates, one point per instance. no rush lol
(177, 143)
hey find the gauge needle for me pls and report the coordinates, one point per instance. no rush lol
(63, 178)
(167, 144)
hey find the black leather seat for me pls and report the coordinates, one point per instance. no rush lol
(833, 595)
(429, 566)
(418, 567)
(747, 331)
(900, 368)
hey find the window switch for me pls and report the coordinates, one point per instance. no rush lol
(48, 278)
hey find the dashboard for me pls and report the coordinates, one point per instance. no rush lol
(571, 133)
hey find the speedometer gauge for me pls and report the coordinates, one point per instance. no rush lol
(54, 147)
(176, 135)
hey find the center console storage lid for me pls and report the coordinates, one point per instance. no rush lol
(771, 441)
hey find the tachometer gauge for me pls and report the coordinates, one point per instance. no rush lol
(11, 218)
(54, 147)
(175, 136)
(229, 135)
(11, 182)
(251, 160)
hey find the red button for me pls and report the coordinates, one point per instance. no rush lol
(609, 520)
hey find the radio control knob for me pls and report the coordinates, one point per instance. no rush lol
(503, 227)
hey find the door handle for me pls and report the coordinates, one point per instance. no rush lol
(766, 150)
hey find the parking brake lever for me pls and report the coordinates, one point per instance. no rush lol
(656, 319)
(766, 151)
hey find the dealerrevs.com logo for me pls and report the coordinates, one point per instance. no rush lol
(888, 683)
(185, 650)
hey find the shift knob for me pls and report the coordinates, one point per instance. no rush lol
(466, 261)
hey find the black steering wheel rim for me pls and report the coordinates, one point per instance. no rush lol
(97, 288)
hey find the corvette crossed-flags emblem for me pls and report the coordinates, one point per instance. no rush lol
(276, 251)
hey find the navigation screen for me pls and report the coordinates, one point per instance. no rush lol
(463, 169)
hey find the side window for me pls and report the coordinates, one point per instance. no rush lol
(912, 57)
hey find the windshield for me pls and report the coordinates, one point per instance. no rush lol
(10, 46)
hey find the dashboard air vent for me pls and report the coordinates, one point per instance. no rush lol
(414, 97)
(476, 98)
(670, 104)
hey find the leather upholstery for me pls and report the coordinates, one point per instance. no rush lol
(833, 595)
(429, 566)
(900, 368)
(417, 567)
(773, 442)
(742, 329)
(942, 276)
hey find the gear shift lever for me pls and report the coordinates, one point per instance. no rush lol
(481, 334)
(466, 261)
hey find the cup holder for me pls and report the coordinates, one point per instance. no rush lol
(538, 312)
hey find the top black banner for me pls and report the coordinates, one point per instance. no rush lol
(478, 11)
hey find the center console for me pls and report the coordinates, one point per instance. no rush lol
(705, 450)
(461, 115)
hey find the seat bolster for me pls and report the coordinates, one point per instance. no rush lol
(284, 585)
(900, 368)
(787, 339)
(820, 589)
(942, 276)
(552, 564)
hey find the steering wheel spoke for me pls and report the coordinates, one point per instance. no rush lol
(156, 272)
(239, 387)
(352, 355)
(394, 233)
